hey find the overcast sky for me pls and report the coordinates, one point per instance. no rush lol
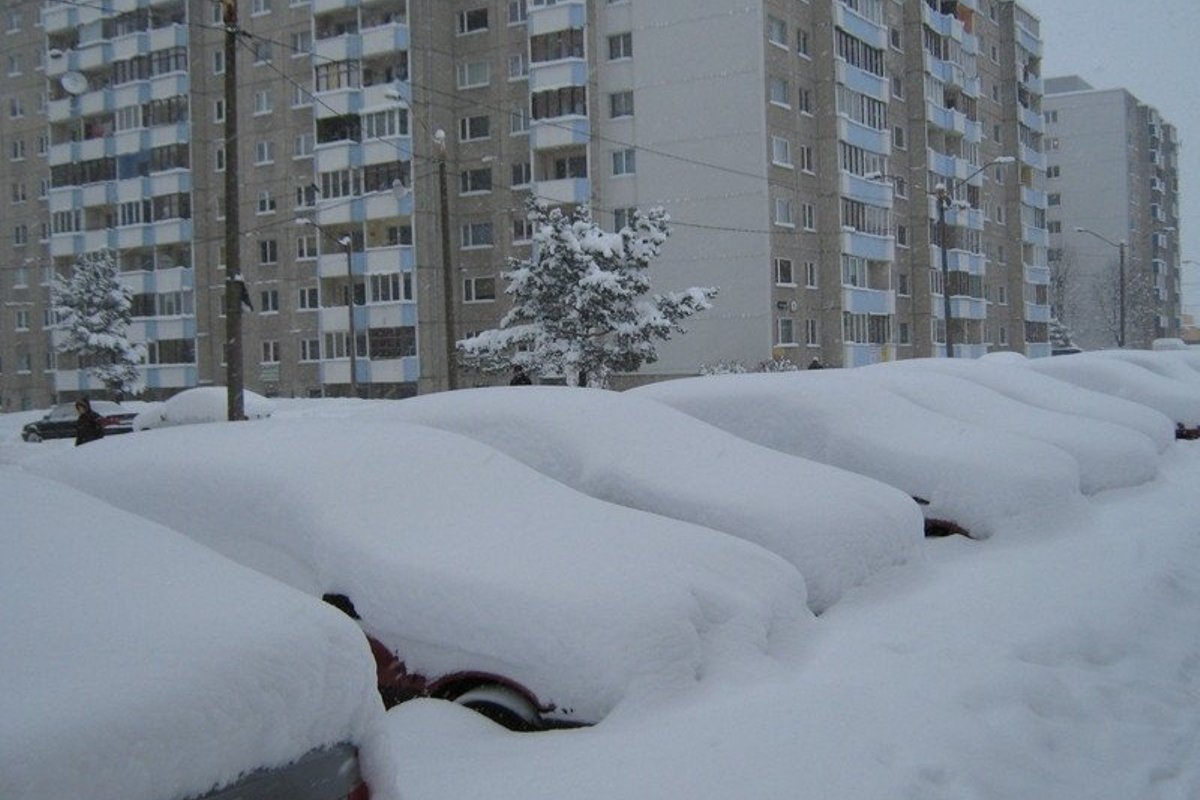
(1150, 48)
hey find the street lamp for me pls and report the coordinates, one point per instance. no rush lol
(346, 242)
(944, 195)
(1120, 280)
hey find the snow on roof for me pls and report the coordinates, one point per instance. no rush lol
(1108, 455)
(1007, 377)
(140, 666)
(200, 405)
(1119, 376)
(459, 557)
(969, 475)
(835, 526)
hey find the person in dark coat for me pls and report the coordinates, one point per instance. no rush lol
(816, 364)
(88, 427)
(520, 377)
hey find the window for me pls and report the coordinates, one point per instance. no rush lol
(783, 272)
(476, 234)
(18, 193)
(522, 174)
(382, 124)
(479, 290)
(518, 67)
(810, 216)
(218, 60)
(473, 21)
(557, 45)
(264, 152)
(898, 86)
(270, 352)
(306, 196)
(475, 181)
(806, 158)
(783, 212)
(620, 104)
(518, 121)
(810, 274)
(268, 301)
(894, 38)
(393, 287)
(266, 202)
(804, 99)
(474, 73)
(260, 7)
(263, 104)
(1054, 171)
(472, 129)
(17, 149)
(301, 96)
(16, 108)
(802, 45)
(620, 46)
(902, 287)
(522, 229)
(781, 151)
(302, 145)
(777, 31)
(898, 137)
(812, 335)
(902, 235)
(858, 53)
(21, 235)
(1051, 116)
(263, 52)
(310, 349)
(561, 102)
(517, 12)
(1054, 227)
(268, 252)
(777, 92)
(308, 299)
(623, 218)
(624, 162)
(1054, 199)
(22, 319)
(904, 335)
(570, 167)
(301, 44)
(14, 65)
(306, 248)
(785, 331)
(218, 114)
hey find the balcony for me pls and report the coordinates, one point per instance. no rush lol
(553, 74)
(962, 307)
(346, 47)
(1031, 119)
(947, 119)
(859, 135)
(1037, 313)
(862, 355)
(856, 25)
(562, 15)
(1037, 275)
(858, 300)
(1032, 157)
(1038, 350)
(958, 260)
(567, 190)
(869, 246)
(1032, 235)
(872, 192)
(548, 134)
(1028, 41)
(862, 81)
(1034, 198)
(385, 39)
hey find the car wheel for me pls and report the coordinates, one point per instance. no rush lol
(31, 436)
(502, 705)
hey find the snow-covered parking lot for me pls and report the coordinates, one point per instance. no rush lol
(1059, 657)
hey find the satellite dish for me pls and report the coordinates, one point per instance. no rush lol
(74, 83)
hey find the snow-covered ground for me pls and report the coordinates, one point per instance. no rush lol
(1059, 658)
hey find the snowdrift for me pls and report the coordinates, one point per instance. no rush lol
(837, 527)
(459, 558)
(141, 666)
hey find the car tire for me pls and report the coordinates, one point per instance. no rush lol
(31, 437)
(503, 705)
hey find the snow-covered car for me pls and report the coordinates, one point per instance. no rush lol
(59, 422)
(966, 476)
(200, 405)
(477, 578)
(836, 527)
(1147, 377)
(139, 665)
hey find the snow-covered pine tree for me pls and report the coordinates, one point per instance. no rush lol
(93, 310)
(1060, 334)
(581, 303)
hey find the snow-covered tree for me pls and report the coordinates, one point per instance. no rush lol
(723, 368)
(1060, 334)
(778, 365)
(581, 303)
(93, 310)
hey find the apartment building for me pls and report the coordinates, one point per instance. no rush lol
(1114, 173)
(815, 157)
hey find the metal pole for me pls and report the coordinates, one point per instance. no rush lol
(234, 286)
(447, 276)
(943, 200)
(1121, 295)
(350, 318)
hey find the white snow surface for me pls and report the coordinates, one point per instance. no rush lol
(968, 474)
(140, 666)
(1058, 659)
(200, 405)
(1117, 375)
(836, 527)
(459, 558)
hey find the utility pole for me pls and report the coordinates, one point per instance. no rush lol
(943, 200)
(439, 141)
(347, 242)
(234, 286)
(1121, 294)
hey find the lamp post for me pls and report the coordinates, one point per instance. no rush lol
(1120, 280)
(346, 242)
(943, 202)
(439, 141)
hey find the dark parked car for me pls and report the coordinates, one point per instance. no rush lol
(59, 422)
